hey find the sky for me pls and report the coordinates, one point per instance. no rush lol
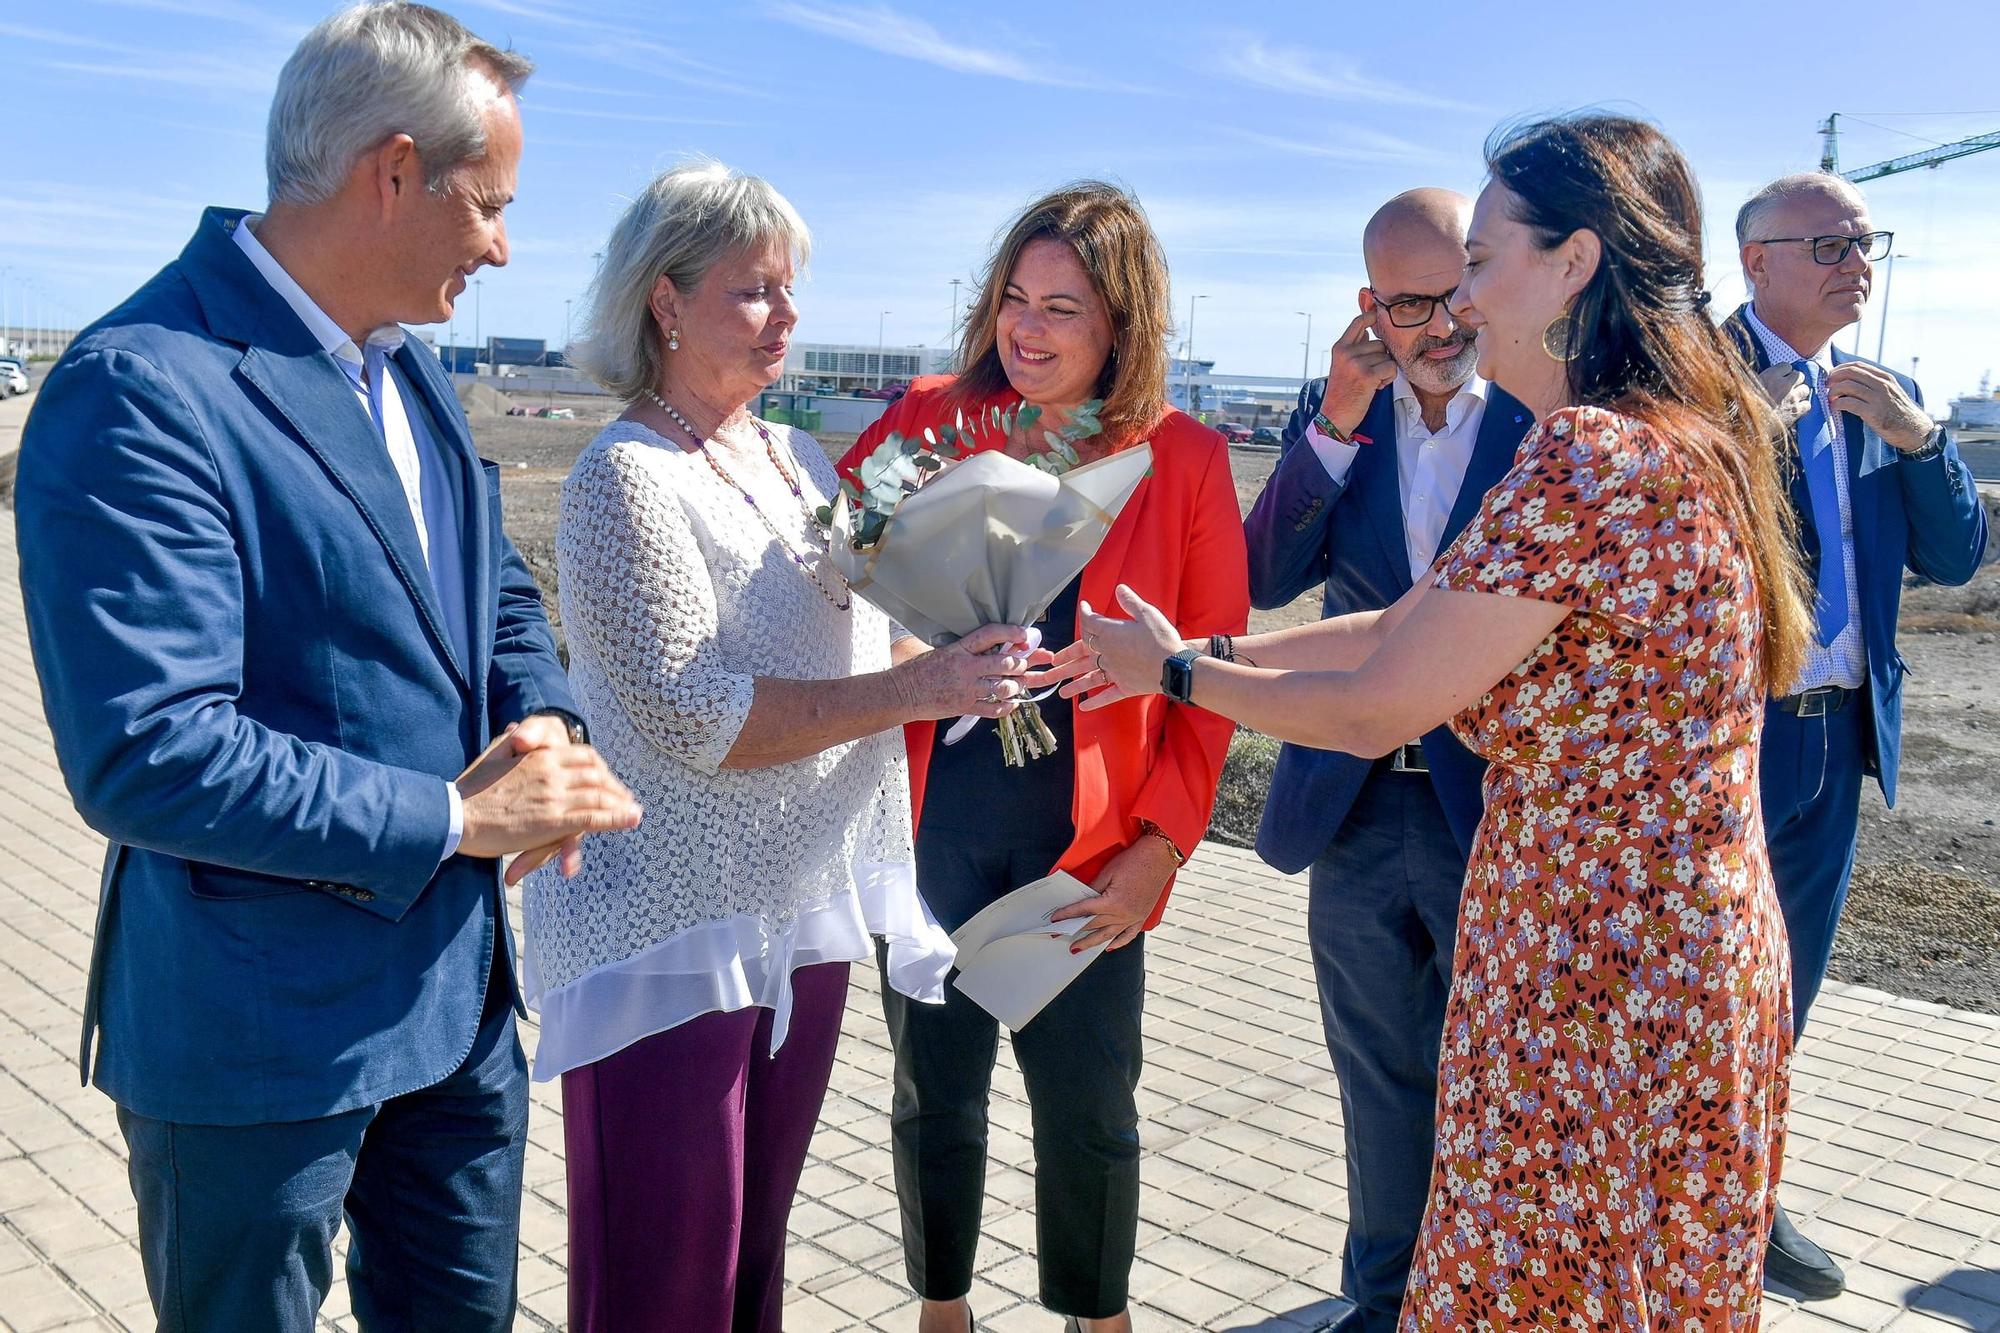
(1259, 137)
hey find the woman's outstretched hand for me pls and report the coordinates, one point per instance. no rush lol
(1114, 660)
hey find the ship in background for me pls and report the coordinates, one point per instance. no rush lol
(1976, 411)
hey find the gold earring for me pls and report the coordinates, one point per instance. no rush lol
(1559, 338)
(673, 340)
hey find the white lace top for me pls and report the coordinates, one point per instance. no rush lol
(674, 597)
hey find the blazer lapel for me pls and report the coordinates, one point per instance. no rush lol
(1493, 454)
(315, 396)
(1381, 489)
(298, 377)
(468, 473)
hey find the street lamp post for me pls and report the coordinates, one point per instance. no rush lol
(566, 303)
(1305, 360)
(951, 334)
(1187, 365)
(478, 343)
(1882, 325)
(879, 321)
(5, 271)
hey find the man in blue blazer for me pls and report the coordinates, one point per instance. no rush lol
(274, 615)
(1384, 463)
(1878, 488)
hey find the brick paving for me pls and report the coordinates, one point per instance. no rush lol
(1894, 1166)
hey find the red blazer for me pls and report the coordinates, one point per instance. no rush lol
(1179, 543)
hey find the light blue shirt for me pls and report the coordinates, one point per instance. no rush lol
(1843, 662)
(421, 467)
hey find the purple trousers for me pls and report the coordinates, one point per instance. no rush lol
(684, 1152)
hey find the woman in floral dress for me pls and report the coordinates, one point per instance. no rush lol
(1613, 1086)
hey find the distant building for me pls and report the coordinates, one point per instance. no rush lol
(851, 367)
(463, 358)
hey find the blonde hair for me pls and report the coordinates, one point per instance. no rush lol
(680, 225)
(1115, 244)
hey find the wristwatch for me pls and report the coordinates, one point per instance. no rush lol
(1177, 675)
(579, 730)
(1929, 449)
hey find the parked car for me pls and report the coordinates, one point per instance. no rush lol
(1266, 435)
(12, 381)
(889, 391)
(1234, 431)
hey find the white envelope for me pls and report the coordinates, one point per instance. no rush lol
(1008, 964)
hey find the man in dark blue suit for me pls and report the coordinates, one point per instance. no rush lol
(1384, 463)
(1878, 488)
(274, 615)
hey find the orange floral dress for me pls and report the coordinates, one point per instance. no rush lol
(1613, 1085)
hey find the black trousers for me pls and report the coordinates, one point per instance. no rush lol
(1080, 1058)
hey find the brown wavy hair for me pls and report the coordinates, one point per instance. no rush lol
(1115, 244)
(1645, 343)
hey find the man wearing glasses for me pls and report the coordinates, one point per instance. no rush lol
(1878, 487)
(1384, 462)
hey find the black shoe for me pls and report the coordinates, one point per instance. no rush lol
(1793, 1261)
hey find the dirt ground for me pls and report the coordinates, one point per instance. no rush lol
(1924, 916)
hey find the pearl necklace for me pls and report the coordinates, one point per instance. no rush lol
(844, 600)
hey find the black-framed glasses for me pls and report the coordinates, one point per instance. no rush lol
(1873, 245)
(1411, 312)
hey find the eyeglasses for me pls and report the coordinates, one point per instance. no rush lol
(1873, 245)
(1411, 312)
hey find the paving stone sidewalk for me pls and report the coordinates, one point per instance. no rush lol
(1894, 1165)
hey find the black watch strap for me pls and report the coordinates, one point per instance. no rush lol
(579, 730)
(1931, 448)
(1177, 675)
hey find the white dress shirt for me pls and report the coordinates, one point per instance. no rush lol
(380, 397)
(1843, 662)
(1430, 465)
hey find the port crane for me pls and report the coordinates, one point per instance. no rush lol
(1933, 157)
(1936, 156)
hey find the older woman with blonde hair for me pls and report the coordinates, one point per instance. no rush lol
(691, 979)
(1073, 309)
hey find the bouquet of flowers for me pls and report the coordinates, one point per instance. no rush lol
(945, 539)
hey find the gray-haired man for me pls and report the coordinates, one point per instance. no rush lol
(274, 615)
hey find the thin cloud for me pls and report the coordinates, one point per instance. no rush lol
(17, 32)
(657, 61)
(555, 16)
(1355, 145)
(880, 28)
(209, 75)
(637, 117)
(224, 11)
(1292, 69)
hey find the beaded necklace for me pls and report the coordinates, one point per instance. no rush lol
(845, 598)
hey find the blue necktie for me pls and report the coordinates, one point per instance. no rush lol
(1816, 456)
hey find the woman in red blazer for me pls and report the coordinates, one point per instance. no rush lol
(1074, 307)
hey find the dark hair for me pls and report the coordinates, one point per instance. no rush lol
(1115, 244)
(1641, 337)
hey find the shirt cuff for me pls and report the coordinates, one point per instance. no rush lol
(457, 829)
(1336, 457)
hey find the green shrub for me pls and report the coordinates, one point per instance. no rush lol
(1246, 777)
